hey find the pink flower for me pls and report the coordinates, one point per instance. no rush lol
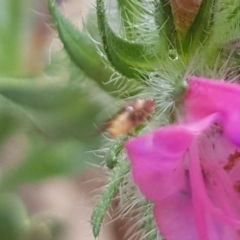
(191, 171)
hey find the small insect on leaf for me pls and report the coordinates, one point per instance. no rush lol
(130, 116)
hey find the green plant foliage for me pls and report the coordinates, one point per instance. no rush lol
(62, 121)
(201, 27)
(126, 57)
(135, 20)
(13, 18)
(13, 217)
(17, 225)
(84, 54)
(55, 112)
(147, 221)
(7, 126)
(111, 157)
(44, 160)
(114, 182)
(227, 22)
(43, 228)
(130, 17)
(164, 21)
(145, 56)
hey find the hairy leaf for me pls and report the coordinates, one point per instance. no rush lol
(201, 27)
(127, 57)
(84, 54)
(117, 177)
(165, 23)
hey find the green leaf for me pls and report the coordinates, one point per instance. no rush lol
(61, 116)
(130, 14)
(137, 20)
(128, 58)
(46, 159)
(13, 217)
(165, 23)
(57, 113)
(200, 28)
(7, 125)
(117, 177)
(13, 15)
(227, 22)
(84, 54)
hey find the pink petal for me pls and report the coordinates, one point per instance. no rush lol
(158, 157)
(215, 217)
(174, 217)
(221, 158)
(156, 160)
(205, 97)
(160, 169)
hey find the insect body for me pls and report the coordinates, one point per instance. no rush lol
(131, 115)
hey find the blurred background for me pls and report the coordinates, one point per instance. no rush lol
(49, 111)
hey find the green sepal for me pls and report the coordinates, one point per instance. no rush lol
(136, 20)
(227, 23)
(200, 28)
(165, 23)
(130, 14)
(127, 57)
(84, 54)
(114, 182)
